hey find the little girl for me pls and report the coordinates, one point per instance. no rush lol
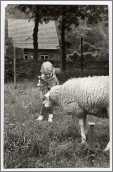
(47, 80)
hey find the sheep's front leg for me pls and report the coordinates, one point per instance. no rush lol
(82, 129)
(107, 148)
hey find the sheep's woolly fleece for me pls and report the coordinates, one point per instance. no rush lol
(77, 95)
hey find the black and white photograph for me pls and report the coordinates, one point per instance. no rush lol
(56, 85)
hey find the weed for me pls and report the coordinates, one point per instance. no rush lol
(32, 144)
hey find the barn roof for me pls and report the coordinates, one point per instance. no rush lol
(20, 30)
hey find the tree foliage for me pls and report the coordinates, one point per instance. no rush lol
(66, 16)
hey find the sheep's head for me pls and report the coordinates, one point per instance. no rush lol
(51, 97)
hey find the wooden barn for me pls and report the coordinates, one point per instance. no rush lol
(20, 32)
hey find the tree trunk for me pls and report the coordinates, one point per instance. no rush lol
(14, 65)
(35, 38)
(82, 57)
(63, 53)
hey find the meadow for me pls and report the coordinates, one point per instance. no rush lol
(29, 143)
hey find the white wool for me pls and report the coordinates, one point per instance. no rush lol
(82, 96)
(78, 95)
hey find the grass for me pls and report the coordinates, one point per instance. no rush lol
(32, 144)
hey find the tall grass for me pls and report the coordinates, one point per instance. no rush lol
(32, 144)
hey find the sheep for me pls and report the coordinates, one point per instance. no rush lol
(81, 96)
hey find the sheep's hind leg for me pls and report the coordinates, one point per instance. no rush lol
(85, 124)
(107, 148)
(82, 130)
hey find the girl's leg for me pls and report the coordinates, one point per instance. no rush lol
(45, 113)
(43, 109)
(50, 114)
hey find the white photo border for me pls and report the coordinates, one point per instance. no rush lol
(3, 5)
